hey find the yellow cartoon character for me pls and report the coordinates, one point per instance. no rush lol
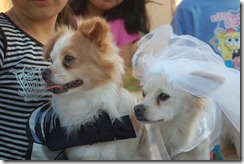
(229, 42)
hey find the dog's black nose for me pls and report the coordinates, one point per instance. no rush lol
(45, 73)
(139, 109)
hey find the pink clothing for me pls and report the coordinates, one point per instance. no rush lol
(121, 36)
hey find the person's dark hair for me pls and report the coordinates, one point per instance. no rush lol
(66, 17)
(133, 12)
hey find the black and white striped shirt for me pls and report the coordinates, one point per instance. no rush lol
(21, 93)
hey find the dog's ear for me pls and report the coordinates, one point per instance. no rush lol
(49, 46)
(95, 29)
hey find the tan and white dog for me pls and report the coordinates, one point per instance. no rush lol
(182, 120)
(86, 76)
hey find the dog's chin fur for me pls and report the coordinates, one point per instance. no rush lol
(79, 108)
(179, 117)
(94, 59)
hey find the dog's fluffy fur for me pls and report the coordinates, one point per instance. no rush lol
(176, 114)
(86, 75)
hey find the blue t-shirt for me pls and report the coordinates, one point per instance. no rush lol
(216, 22)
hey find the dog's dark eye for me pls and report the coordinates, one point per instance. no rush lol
(163, 96)
(68, 59)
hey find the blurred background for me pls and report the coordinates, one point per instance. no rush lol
(160, 12)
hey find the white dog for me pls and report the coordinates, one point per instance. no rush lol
(86, 76)
(189, 95)
(179, 124)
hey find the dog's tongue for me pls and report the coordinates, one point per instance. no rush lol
(61, 88)
(53, 87)
(56, 88)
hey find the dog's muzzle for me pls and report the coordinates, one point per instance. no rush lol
(139, 112)
(58, 88)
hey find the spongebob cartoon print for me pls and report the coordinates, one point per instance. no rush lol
(226, 38)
